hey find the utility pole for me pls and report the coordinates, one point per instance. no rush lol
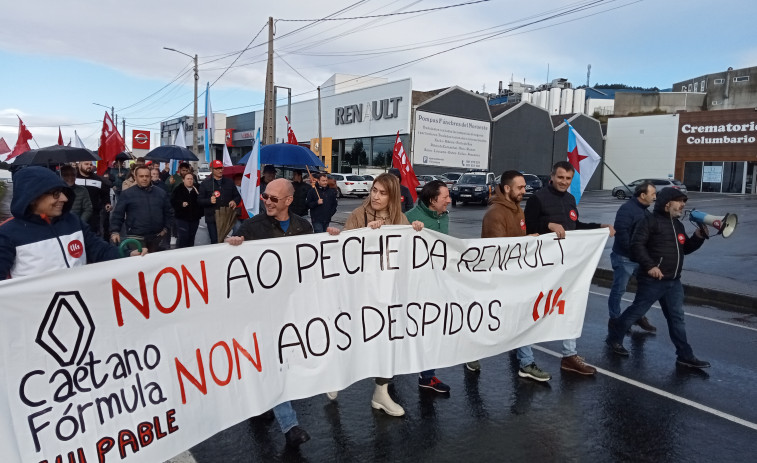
(123, 131)
(197, 78)
(320, 135)
(269, 107)
(588, 75)
(194, 126)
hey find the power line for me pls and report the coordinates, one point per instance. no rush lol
(295, 70)
(387, 14)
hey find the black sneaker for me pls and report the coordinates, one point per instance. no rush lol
(692, 362)
(617, 348)
(433, 383)
(296, 436)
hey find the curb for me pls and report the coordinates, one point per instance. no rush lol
(693, 294)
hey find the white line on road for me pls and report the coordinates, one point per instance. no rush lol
(689, 314)
(660, 392)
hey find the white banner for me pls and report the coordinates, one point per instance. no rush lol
(140, 360)
(440, 140)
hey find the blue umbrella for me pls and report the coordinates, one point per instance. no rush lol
(167, 152)
(284, 154)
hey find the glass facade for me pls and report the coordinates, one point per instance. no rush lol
(716, 177)
(365, 152)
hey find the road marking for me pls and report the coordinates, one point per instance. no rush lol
(660, 392)
(689, 314)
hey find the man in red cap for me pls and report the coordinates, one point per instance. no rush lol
(215, 192)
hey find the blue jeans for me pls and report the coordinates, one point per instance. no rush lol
(569, 348)
(320, 227)
(525, 356)
(286, 416)
(670, 295)
(622, 269)
(428, 374)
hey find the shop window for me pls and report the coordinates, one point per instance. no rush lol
(718, 81)
(741, 79)
(733, 177)
(692, 176)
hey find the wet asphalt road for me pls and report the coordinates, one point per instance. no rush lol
(638, 408)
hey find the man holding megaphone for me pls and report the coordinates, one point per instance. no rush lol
(658, 244)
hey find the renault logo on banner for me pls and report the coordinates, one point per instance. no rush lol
(140, 139)
(67, 328)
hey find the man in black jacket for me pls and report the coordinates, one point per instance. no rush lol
(553, 210)
(622, 266)
(322, 203)
(299, 204)
(145, 209)
(658, 244)
(277, 222)
(215, 192)
(99, 194)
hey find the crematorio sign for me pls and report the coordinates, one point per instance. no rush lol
(717, 131)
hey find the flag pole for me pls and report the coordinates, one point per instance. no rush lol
(309, 175)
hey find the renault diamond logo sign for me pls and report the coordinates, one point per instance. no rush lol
(67, 328)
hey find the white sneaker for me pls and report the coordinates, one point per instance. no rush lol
(382, 401)
(332, 395)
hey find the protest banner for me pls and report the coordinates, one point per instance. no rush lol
(139, 359)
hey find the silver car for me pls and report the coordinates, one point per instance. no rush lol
(626, 191)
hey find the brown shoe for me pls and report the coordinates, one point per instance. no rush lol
(644, 324)
(576, 364)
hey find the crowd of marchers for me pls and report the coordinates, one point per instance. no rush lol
(73, 217)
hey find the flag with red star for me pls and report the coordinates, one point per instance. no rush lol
(584, 159)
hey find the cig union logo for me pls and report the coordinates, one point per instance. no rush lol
(67, 329)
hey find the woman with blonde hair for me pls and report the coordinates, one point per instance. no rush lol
(383, 206)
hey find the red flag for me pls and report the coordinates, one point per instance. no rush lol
(111, 143)
(291, 139)
(4, 148)
(60, 137)
(400, 161)
(22, 144)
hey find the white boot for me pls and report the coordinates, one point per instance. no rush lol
(332, 395)
(382, 401)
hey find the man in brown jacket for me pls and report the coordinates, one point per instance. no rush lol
(505, 218)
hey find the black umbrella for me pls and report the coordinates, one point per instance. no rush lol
(53, 155)
(168, 152)
(124, 156)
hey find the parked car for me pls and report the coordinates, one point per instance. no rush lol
(369, 178)
(473, 187)
(424, 179)
(203, 171)
(533, 183)
(626, 191)
(454, 176)
(348, 184)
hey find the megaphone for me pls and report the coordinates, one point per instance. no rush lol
(725, 224)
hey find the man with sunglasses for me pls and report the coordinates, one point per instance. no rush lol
(215, 192)
(276, 223)
(43, 235)
(658, 244)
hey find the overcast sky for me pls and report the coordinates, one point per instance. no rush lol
(58, 58)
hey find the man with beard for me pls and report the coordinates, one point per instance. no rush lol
(215, 192)
(505, 218)
(553, 210)
(658, 244)
(99, 194)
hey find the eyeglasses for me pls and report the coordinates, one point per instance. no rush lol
(273, 199)
(55, 193)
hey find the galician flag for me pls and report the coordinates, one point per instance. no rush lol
(251, 180)
(584, 159)
(209, 125)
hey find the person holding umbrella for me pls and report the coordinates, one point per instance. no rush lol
(216, 192)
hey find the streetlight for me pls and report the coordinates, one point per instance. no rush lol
(197, 77)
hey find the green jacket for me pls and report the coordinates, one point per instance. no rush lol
(431, 219)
